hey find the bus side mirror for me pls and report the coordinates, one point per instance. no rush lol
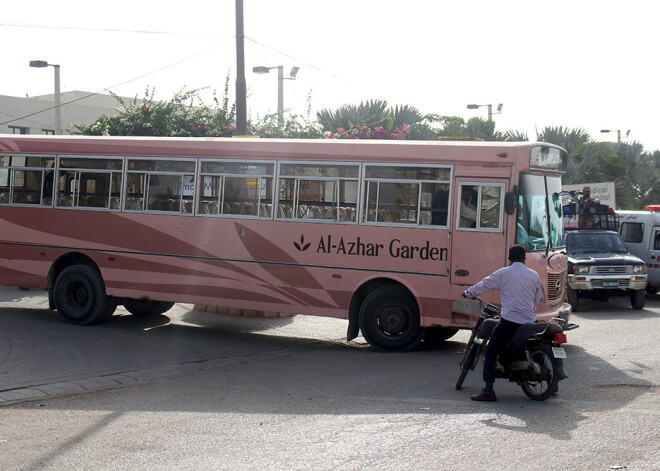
(510, 202)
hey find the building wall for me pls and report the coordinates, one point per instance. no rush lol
(76, 107)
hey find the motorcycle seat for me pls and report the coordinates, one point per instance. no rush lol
(522, 333)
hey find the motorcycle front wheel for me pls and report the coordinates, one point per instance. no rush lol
(542, 386)
(468, 363)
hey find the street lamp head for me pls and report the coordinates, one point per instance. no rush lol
(294, 72)
(604, 130)
(472, 107)
(38, 64)
(260, 70)
(499, 107)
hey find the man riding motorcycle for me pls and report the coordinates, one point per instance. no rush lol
(520, 291)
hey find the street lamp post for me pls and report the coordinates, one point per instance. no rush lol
(58, 111)
(618, 133)
(280, 86)
(490, 110)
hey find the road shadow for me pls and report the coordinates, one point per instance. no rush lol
(294, 369)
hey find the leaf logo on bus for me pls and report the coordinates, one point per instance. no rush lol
(302, 246)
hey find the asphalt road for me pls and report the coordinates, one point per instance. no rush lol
(193, 390)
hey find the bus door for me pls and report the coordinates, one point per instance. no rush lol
(478, 240)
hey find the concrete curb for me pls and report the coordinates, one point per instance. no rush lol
(97, 383)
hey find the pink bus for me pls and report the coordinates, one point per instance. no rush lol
(385, 234)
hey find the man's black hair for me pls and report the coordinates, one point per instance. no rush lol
(517, 253)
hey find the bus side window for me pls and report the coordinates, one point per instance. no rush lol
(312, 191)
(406, 195)
(135, 183)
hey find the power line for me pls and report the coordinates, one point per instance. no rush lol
(110, 30)
(116, 85)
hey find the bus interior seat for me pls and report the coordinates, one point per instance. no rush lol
(203, 208)
(329, 213)
(315, 213)
(235, 208)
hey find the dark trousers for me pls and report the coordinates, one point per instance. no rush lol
(502, 332)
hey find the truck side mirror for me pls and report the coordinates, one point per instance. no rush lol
(510, 202)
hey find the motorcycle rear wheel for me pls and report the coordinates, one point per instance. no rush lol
(541, 388)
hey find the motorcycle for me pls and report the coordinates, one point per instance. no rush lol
(533, 357)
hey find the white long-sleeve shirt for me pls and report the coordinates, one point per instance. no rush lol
(520, 290)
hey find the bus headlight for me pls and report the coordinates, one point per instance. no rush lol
(580, 269)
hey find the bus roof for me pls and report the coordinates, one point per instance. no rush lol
(492, 152)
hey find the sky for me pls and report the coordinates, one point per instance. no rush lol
(578, 63)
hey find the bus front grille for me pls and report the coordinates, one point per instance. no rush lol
(556, 285)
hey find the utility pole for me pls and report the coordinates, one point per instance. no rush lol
(241, 88)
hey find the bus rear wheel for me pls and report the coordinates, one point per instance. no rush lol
(146, 308)
(389, 319)
(79, 295)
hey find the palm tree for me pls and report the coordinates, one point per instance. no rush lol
(569, 139)
(640, 184)
(372, 114)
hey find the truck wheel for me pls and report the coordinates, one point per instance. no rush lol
(146, 308)
(79, 295)
(638, 299)
(651, 289)
(389, 319)
(573, 298)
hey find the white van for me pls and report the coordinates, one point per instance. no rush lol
(641, 232)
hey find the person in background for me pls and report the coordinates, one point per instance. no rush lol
(585, 207)
(520, 291)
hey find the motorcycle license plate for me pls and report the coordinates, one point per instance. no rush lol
(558, 352)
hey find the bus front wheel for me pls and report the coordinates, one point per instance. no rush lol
(389, 319)
(79, 295)
(146, 308)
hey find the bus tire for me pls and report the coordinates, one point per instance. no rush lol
(79, 295)
(146, 308)
(638, 298)
(390, 321)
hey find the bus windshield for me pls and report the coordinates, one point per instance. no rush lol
(539, 221)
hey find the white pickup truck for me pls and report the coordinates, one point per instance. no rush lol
(640, 231)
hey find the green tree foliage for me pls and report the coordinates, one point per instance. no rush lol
(185, 115)
(569, 139)
(635, 173)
